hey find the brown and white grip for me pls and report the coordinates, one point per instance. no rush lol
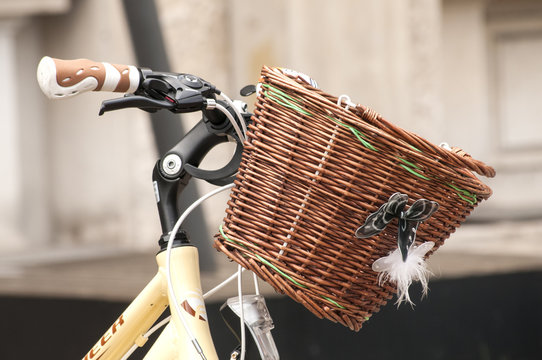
(63, 78)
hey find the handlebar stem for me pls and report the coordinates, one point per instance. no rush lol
(169, 174)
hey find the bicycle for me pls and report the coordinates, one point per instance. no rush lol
(315, 168)
(177, 282)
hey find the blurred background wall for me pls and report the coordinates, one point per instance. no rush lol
(75, 187)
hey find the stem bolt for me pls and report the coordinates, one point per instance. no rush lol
(171, 165)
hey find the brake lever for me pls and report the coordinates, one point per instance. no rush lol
(135, 101)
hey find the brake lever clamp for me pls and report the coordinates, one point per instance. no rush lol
(187, 93)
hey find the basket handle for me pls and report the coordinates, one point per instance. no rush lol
(473, 164)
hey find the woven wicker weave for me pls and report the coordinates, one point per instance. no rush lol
(311, 173)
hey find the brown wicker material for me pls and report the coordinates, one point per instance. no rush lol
(311, 173)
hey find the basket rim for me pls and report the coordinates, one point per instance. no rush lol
(374, 122)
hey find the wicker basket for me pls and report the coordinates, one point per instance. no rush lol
(311, 173)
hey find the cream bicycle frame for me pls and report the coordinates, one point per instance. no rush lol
(141, 314)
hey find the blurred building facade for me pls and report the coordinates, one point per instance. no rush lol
(466, 72)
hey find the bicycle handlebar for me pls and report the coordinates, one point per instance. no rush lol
(64, 78)
(147, 89)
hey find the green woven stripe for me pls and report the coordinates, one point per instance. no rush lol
(415, 148)
(266, 262)
(284, 99)
(468, 196)
(263, 260)
(463, 194)
(282, 93)
(411, 164)
(409, 167)
(333, 302)
(358, 134)
(414, 172)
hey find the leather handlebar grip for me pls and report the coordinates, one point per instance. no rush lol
(64, 78)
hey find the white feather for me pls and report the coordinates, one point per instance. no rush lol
(402, 274)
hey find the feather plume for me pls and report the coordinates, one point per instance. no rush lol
(392, 268)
